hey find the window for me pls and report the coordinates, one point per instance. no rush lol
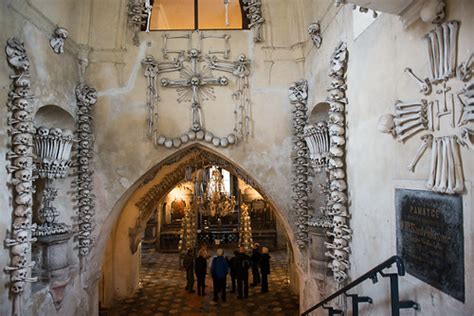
(170, 15)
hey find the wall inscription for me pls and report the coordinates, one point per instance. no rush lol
(430, 238)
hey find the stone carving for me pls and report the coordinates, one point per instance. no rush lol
(337, 186)
(314, 31)
(21, 130)
(317, 140)
(53, 150)
(298, 95)
(196, 85)
(253, 10)
(412, 117)
(86, 97)
(57, 41)
(139, 12)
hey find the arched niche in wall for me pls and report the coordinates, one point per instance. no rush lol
(320, 112)
(54, 116)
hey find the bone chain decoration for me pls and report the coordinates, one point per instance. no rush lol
(86, 97)
(21, 158)
(253, 10)
(301, 186)
(336, 188)
(139, 14)
(446, 173)
(196, 84)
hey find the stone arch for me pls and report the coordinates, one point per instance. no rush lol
(136, 205)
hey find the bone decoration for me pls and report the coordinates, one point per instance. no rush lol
(57, 41)
(52, 147)
(195, 85)
(298, 95)
(337, 186)
(21, 158)
(253, 10)
(442, 51)
(314, 31)
(86, 97)
(139, 12)
(317, 140)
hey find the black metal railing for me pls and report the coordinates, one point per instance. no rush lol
(396, 304)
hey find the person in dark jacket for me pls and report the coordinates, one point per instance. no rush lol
(188, 264)
(233, 270)
(265, 268)
(219, 270)
(201, 271)
(243, 265)
(255, 259)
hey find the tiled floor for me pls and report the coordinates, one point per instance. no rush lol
(163, 293)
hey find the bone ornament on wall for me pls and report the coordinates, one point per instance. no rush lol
(86, 97)
(253, 10)
(53, 151)
(139, 13)
(317, 140)
(20, 155)
(196, 85)
(314, 31)
(338, 249)
(57, 41)
(298, 95)
(441, 103)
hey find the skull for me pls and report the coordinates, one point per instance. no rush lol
(25, 198)
(83, 168)
(339, 221)
(338, 185)
(338, 208)
(335, 163)
(55, 132)
(84, 251)
(337, 107)
(21, 236)
(43, 131)
(84, 136)
(19, 261)
(23, 162)
(84, 144)
(85, 209)
(22, 91)
(24, 127)
(85, 227)
(17, 287)
(194, 53)
(84, 127)
(21, 150)
(61, 32)
(242, 58)
(22, 210)
(85, 242)
(22, 139)
(23, 175)
(338, 197)
(20, 274)
(223, 81)
(20, 249)
(340, 255)
(21, 104)
(84, 160)
(337, 174)
(20, 223)
(386, 124)
(21, 115)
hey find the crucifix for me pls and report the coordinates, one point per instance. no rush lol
(195, 85)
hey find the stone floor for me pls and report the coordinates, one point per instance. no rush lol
(163, 293)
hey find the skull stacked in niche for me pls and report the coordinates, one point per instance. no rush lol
(86, 98)
(21, 156)
(338, 249)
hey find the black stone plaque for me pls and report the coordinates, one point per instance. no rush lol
(430, 238)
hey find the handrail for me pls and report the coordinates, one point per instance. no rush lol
(372, 274)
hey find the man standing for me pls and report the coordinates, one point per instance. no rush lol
(255, 259)
(233, 270)
(243, 265)
(219, 270)
(265, 268)
(188, 264)
(201, 271)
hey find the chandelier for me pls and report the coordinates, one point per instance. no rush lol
(216, 201)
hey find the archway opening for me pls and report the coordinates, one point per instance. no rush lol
(151, 232)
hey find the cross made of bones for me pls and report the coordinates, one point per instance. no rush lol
(195, 84)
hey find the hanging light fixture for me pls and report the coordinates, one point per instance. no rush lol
(211, 195)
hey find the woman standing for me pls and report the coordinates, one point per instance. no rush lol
(265, 268)
(201, 271)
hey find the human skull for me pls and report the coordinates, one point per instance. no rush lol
(335, 163)
(337, 106)
(337, 174)
(61, 32)
(340, 255)
(23, 162)
(85, 242)
(25, 198)
(23, 175)
(84, 127)
(24, 127)
(20, 274)
(84, 144)
(55, 132)
(338, 197)
(85, 227)
(338, 185)
(20, 223)
(223, 81)
(339, 221)
(83, 251)
(21, 104)
(21, 116)
(43, 131)
(20, 249)
(17, 287)
(21, 236)
(19, 261)
(340, 243)
(386, 124)
(338, 208)
(22, 210)
(433, 11)
(22, 91)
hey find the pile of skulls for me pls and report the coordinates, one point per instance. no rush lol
(301, 186)
(86, 98)
(337, 205)
(21, 166)
(53, 148)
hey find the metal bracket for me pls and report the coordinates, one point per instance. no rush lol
(332, 311)
(397, 305)
(356, 299)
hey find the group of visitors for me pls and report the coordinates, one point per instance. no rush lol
(238, 266)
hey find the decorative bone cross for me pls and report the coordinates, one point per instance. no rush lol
(195, 85)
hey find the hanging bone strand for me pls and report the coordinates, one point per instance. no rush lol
(138, 12)
(298, 95)
(151, 73)
(86, 97)
(21, 157)
(253, 10)
(337, 204)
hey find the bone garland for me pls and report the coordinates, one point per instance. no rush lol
(57, 41)
(196, 85)
(446, 166)
(138, 15)
(86, 97)
(317, 140)
(21, 166)
(337, 205)
(314, 31)
(442, 51)
(298, 95)
(253, 9)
